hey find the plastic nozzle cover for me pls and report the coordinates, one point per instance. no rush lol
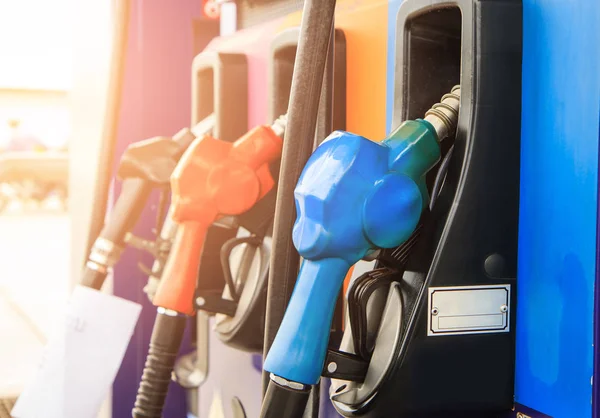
(354, 195)
(213, 178)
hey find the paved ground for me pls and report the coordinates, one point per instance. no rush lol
(34, 265)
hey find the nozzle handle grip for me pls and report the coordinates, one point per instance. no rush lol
(178, 283)
(167, 335)
(299, 349)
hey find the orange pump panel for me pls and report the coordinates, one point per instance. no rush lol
(213, 178)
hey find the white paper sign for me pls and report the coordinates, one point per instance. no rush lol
(81, 360)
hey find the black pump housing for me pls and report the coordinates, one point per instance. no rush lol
(469, 239)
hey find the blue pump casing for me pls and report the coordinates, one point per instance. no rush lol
(354, 195)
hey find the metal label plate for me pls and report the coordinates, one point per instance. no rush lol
(461, 310)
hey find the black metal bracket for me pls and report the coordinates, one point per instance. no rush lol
(213, 303)
(345, 366)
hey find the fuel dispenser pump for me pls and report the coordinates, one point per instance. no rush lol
(219, 86)
(382, 190)
(239, 308)
(144, 165)
(240, 313)
(440, 342)
(213, 179)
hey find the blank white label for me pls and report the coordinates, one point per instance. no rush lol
(468, 310)
(81, 359)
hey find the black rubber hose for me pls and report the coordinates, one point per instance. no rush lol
(440, 177)
(164, 346)
(323, 129)
(125, 214)
(127, 210)
(284, 402)
(315, 33)
(324, 124)
(93, 278)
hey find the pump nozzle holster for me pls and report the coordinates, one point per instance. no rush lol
(354, 196)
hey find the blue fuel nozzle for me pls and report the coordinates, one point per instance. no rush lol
(354, 196)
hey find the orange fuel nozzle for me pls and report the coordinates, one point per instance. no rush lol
(214, 178)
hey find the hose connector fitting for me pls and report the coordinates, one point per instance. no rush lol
(443, 116)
